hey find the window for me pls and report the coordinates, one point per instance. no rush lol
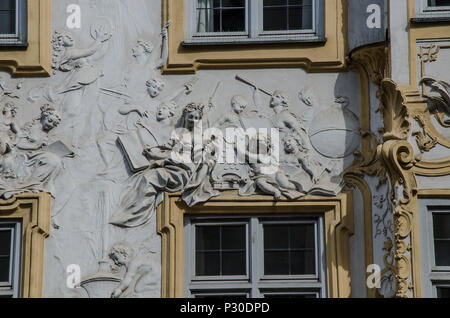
(435, 247)
(254, 257)
(10, 242)
(432, 9)
(13, 23)
(249, 21)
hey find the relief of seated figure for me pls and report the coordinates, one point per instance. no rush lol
(33, 163)
(169, 173)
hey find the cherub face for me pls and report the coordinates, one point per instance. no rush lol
(64, 40)
(289, 145)
(118, 258)
(49, 122)
(278, 100)
(154, 88)
(138, 50)
(163, 113)
(193, 117)
(238, 106)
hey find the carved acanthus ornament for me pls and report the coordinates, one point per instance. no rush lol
(398, 159)
(373, 58)
(394, 111)
(393, 159)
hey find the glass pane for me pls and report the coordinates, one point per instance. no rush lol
(302, 236)
(233, 20)
(287, 15)
(303, 263)
(289, 249)
(234, 263)
(207, 238)
(233, 237)
(5, 242)
(221, 15)
(439, 3)
(207, 264)
(221, 250)
(7, 5)
(233, 3)
(275, 19)
(276, 263)
(276, 237)
(291, 296)
(275, 3)
(5, 254)
(441, 229)
(442, 253)
(443, 292)
(7, 22)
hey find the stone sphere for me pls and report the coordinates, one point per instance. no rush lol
(334, 132)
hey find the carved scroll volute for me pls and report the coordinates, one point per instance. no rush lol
(394, 111)
(398, 157)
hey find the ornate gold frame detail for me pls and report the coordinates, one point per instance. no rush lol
(36, 59)
(337, 211)
(33, 210)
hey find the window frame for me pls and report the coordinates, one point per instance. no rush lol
(254, 32)
(337, 212)
(19, 38)
(434, 276)
(424, 11)
(33, 213)
(12, 287)
(255, 283)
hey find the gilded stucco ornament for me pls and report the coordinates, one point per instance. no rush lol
(397, 157)
(394, 111)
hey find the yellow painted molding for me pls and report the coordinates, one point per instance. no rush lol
(314, 57)
(339, 226)
(421, 31)
(432, 168)
(35, 60)
(33, 210)
(398, 158)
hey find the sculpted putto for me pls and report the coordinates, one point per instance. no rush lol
(141, 272)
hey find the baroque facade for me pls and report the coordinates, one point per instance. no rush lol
(172, 148)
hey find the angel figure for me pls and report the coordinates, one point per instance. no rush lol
(295, 154)
(80, 63)
(265, 173)
(141, 271)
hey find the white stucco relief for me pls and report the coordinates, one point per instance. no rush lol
(116, 121)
